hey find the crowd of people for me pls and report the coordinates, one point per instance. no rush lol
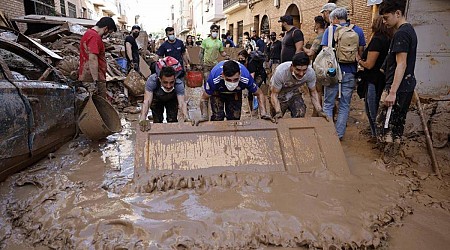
(382, 71)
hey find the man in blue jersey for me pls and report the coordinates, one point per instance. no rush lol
(224, 88)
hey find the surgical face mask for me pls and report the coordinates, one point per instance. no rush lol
(167, 90)
(231, 85)
(295, 76)
(135, 34)
(214, 34)
(171, 37)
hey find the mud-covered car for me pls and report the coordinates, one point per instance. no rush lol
(37, 113)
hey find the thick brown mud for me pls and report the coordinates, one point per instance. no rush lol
(84, 198)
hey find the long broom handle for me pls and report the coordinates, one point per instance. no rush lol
(434, 161)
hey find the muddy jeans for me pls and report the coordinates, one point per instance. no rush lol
(296, 105)
(206, 70)
(99, 89)
(226, 105)
(171, 107)
(398, 115)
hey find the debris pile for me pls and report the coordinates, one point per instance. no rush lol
(63, 38)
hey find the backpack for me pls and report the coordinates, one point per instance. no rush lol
(347, 43)
(258, 58)
(325, 60)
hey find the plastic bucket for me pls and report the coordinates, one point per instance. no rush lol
(194, 79)
(122, 63)
(99, 119)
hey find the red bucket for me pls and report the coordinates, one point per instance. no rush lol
(194, 79)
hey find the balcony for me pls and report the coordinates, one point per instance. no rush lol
(98, 3)
(231, 6)
(123, 19)
(186, 25)
(214, 11)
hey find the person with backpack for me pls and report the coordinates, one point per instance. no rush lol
(254, 62)
(348, 42)
(399, 70)
(293, 39)
(285, 87)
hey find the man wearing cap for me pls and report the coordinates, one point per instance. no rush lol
(326, 10)
(93, 58)
(224, 89)
(293, 39)
(285, 87)
(175, 48)
(131, 48)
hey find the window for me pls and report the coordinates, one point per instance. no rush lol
(63, 7)
(20, 67)
(240, 32)
(72, 9)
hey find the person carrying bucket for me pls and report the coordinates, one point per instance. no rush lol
(164, 90)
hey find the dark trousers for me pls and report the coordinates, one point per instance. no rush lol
(171, 107)
(296, 105)
(398, 114)
(226, 105)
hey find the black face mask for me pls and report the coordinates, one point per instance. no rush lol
(242, 61)
(283, 28)
(135, 34)
(273, 38)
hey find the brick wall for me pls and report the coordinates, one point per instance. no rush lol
(359, 14)
(13, 8)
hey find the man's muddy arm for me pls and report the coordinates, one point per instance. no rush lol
(261, 101)
(182, 106)
(148, 98)
(93, 66)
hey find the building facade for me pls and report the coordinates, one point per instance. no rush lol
(263, 15)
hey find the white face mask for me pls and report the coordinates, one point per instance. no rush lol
(214, 34)
(171, 37)
(296, 78)
(231, 85)
(167, 90)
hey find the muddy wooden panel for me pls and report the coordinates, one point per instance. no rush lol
(193, 54)
(293, 145)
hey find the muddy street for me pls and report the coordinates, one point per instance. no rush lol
(83, 197)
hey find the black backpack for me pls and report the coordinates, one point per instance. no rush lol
(258, 58)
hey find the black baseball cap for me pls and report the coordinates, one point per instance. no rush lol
(287, 18)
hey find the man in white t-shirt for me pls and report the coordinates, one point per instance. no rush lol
(285, 87)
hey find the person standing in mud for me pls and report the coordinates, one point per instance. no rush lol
(285, 84)
(92, 70)
(131, 48)
(210, 50)
(399, 70)
(224, 88)
(163, 90)
(373, 79)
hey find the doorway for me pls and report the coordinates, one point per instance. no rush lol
(293, 11)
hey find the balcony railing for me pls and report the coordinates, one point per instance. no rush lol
(231, 3)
